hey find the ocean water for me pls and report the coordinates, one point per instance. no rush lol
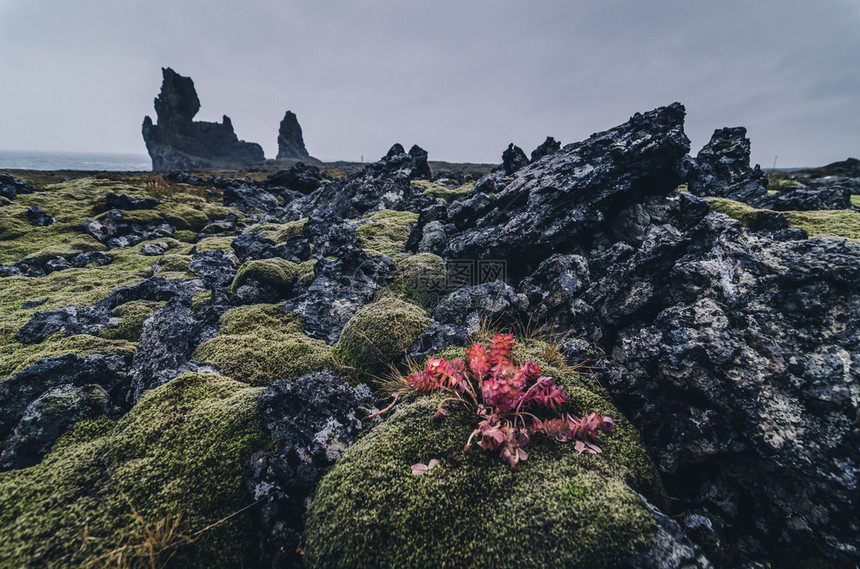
(24, 160)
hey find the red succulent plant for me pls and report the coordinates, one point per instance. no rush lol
(506, 397)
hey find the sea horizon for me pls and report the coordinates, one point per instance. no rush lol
(87, 161)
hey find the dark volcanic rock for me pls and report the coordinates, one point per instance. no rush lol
(126, 202)
(115, 231)
(513, 159)
(566, 200)
(548, 146)
(11, 187)
(383, 185)
(250, 199)
(739, 355)
(43, 324)
(55, 412)
(312, 420)
(300, 177)
(176, 142)
(290, 141)
(28, 426)
(722, 168)
(169, 337)
(36, 216)
(345, 279)
(806, 199)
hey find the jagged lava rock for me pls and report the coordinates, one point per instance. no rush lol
(176, 142)
(311, 420)
(564, 200)
(290, 141)
(722, 168)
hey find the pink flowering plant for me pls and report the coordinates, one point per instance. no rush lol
(513, 402)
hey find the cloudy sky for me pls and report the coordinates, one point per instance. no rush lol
(460, 78)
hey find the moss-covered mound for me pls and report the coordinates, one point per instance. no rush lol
(166, 479)
(385, 231)
(261, 343)
(834, 223)
(133, 314)
(448, 192)
(13, 361)
(378, 333)
(276, 273)
(559, 509)
(417, 277)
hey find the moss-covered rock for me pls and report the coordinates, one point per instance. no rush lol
(262, 320)
(260, 343)
(418, 277)
(448, 192)
(133, 314)
(378, 333)
(558, 509)
(834, 223)
(19, 357)
(384, 232)
(166, 477)
(261, 360)
(277, 273)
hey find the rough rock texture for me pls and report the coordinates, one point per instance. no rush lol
(311, 420)
(290, 141)
(513, 158)
(176, 142)
(548, 146)
(571, 198)
(382, 185)
(126, 202)
(169, 337)
(11, 187)
(300, 177)
(43, 401)
(722, 168)
(37, 216)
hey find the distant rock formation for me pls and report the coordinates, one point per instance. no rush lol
(290, 142)
(179, 143)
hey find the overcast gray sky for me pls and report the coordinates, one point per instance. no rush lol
(460, 78)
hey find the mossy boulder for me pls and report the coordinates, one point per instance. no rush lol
(133, 314)
(384, 232)
(276, 273)
(17, 357)
(558, 509)
(420, 278)
(378, 333)
(261, 343)
(261, 360)
(166, 479)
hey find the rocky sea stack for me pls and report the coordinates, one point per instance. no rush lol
(290, 141)
(177, 142)
(222, 371)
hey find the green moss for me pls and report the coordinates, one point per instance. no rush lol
(274, 272)
(215, 243)
(133, 314)
(185, 236)
(378, 333)
(447, 193)
(855, 200)
(385, 232)
(183, 216)
(259, 360)
(559, 509)
(262, 320)
(172, 263)
(417, 276)
(261, 343)
(177, 461)
(200, 298)
(838, 223)
(14, 360)
(281, 232)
